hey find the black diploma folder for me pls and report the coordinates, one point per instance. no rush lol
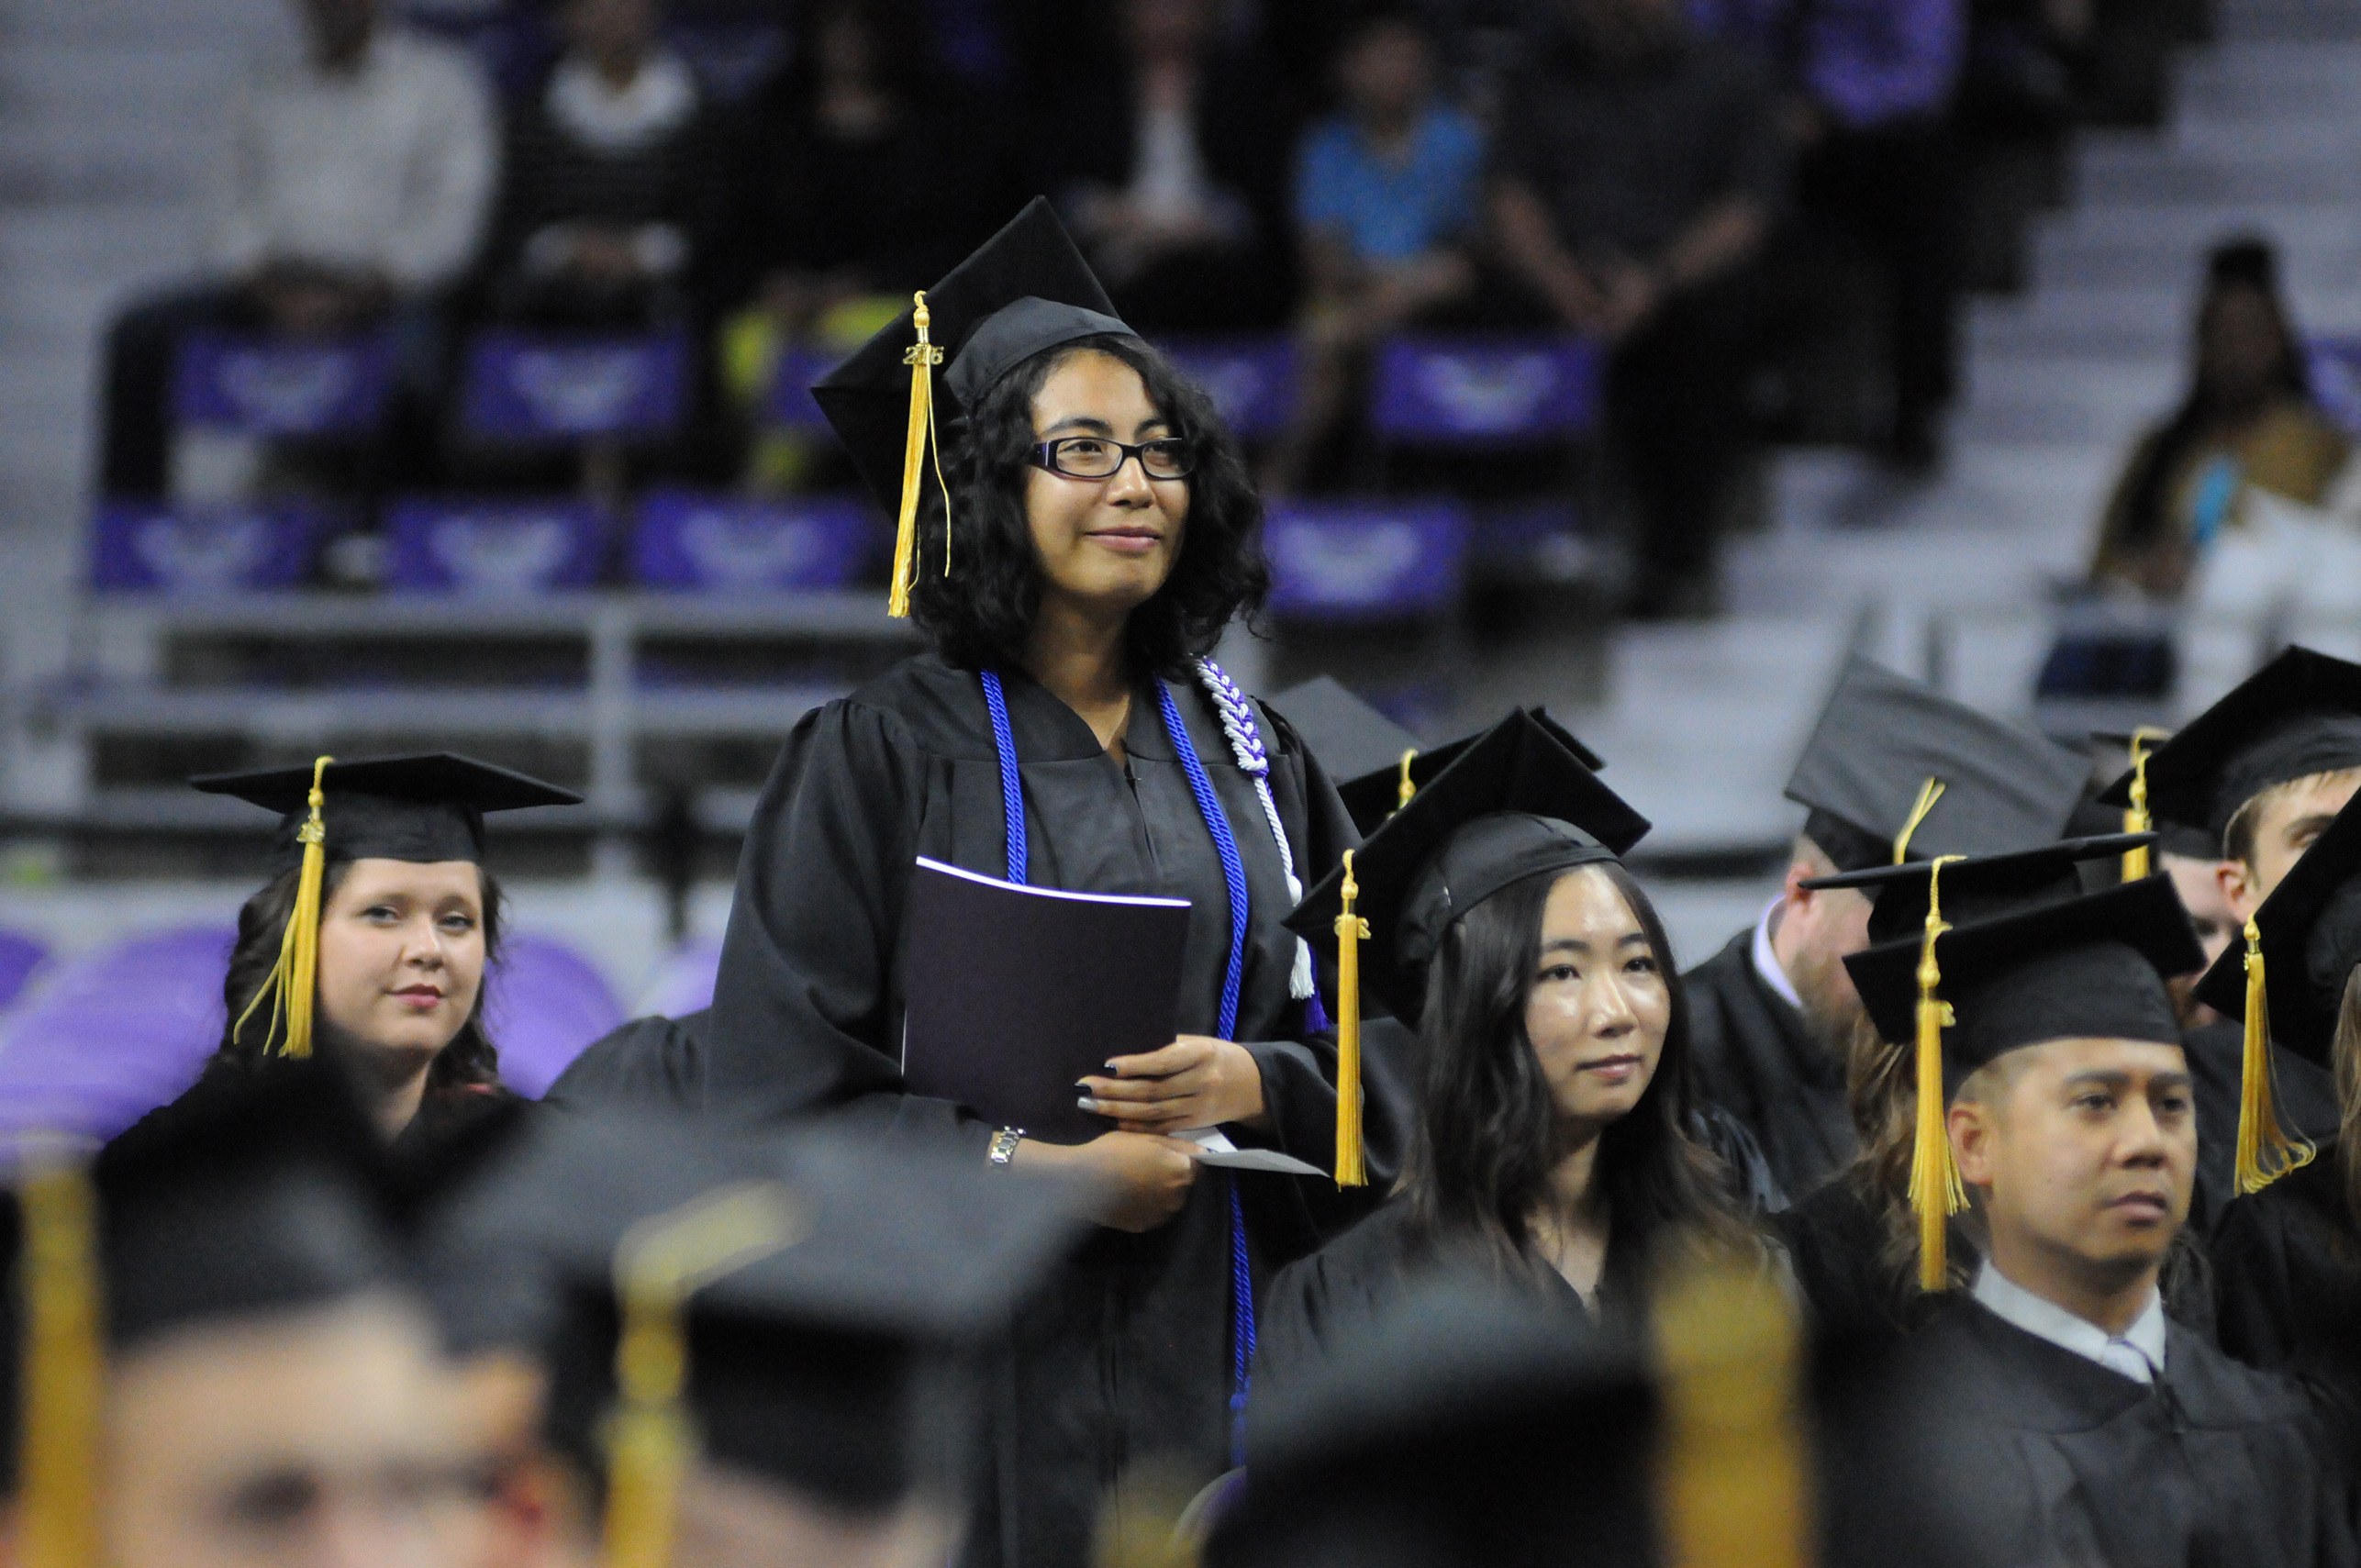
(1016, 992)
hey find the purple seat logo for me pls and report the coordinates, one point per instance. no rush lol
(1344, 561)
(493, 549)
(283, 386)
(201, 549)
(1251, 380)
(728, 545)
(1482, 388)
(532, 386)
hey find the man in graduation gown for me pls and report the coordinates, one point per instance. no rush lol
(2099, 1432)
(1773, 1012)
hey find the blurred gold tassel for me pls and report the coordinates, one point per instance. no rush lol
(1929, 792)
(1734, 1488)
(2266, 1153)
(650, 1441)
(1351, 931)
(2135, 818)
(294, 978)
(64, 1368)
(1936, 1193)
(921, 357)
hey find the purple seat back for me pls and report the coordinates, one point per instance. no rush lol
(269, 386)
(1366, 561)
(1251, 379)
(488, 548)
(2334, 371)
(791, 404)
(107, 1036)
(544, 1006)
(19, 957)
(534, 387)
(140, 548)
(684, 983)
(729, 544)
(1485, 389)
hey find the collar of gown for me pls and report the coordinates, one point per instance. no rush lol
(2137, 1353)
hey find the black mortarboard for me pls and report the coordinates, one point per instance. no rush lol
(2298, 715)
(1513, 803)
(810, 1357)
(1441, 1431)
(1026, 289)
(1350, 738)
(2309, 930)
(1980, 888)
(1373, 797)
(1882, 738)
(422, 808)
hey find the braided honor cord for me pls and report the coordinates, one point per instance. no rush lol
(1237, 713)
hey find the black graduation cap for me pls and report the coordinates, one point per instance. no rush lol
(846, 1266)
(1027, 289)
(424, 808)
(1511, 803)
(2298, 715)
(1373, 797)
(1441, 1431)
(1350, 738)
(2310, 935)
(1979, 889)
(1884, 744)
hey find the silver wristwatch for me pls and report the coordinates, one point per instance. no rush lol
(1004, 1145)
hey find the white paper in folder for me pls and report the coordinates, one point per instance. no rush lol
(1215, 1149)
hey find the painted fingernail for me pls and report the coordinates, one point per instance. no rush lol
(1083, 1083)
(1113, 1068)
(1087, 1102)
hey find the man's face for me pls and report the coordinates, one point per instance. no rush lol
(2086, 1150)
(316, 1438)
(1816, 930)
(2285, 822)
(2216, 924)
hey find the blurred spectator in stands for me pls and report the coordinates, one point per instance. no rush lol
(2248, 420)
(1869, 86)
(1635, 173)
(1170, 164)
(360, 183)
(611, 194)
(1387, 197)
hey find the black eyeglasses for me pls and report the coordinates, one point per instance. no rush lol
(1102, 457)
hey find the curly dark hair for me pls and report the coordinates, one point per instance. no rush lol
(978, 618)
(1481, 1159)
(469, 1062)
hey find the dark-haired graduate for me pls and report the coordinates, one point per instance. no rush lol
(1554, 1147)
(1066, 728)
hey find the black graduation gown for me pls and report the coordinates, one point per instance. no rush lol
(1757, 1061)
(1127, 1355)
(2215, 1465)
(2287, 1282)
(650, 1060)
(1836, 1241)
(2217, 1053)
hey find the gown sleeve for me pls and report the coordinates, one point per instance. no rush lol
(804, 1005)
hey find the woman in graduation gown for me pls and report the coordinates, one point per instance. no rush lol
(2287, 1260)
(1066, 730)
(1555, 1145)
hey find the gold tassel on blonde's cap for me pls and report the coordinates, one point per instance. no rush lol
(921, 357)
(1351, 931)
(2264, 1152)
(64, 1370)
(1936, 1193)
(293, 979)
(1929, 792)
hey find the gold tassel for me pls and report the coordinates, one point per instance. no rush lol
(921, 357)
(292, 980)
(1351, 932)
(650, 1441)
(2135, 819)
(1929, 792)
(1735, 1477)
(1935, 1191)
(1406, 789)
(64, 1368)
(2265, 1150)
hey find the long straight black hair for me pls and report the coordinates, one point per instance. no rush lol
(1480, 1161)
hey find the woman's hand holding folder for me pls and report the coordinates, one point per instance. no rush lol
(1197, 1081)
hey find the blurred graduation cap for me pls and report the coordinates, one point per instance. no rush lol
(1026, 289)
(2309, 933)
(1895, 770)
(2031, 958)
(2298, 715)
(1513, 803)
(425, 808)
(811, 1280)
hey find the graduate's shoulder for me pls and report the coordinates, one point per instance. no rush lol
(920, 704)
(2218, 1394)
(647, 1061)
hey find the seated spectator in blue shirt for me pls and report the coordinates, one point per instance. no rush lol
(1387, 192)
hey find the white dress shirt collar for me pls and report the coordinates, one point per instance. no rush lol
(1767, 959)
(2137, 1353)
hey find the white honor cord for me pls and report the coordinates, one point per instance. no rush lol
(1237, 713)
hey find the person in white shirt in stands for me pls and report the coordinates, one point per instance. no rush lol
(359, 179)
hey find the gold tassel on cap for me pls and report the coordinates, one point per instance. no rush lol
(2265, 1150)
(290, 982)
(650, 1441)
(64, 1368)
(1935, 1191)
(1406, 789)
(2135, 816)
(1351, 931)
(921, 357)
(1734, 1469)
(1929, 792)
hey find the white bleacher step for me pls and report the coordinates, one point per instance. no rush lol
(2112, 175)
(2179, 226)
(146, 24)
(149, 89)
(2292, 139)
(2136, 260)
